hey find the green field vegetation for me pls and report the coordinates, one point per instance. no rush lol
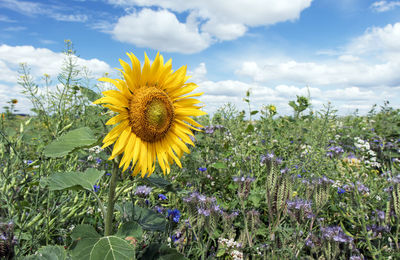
(313, 185)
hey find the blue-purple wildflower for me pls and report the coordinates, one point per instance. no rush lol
(202, 169)
(336, 234)
(162, 197)
(96, 188)
(143, 190)
(174, 215)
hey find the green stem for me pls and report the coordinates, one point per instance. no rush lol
(103, 210)
(111, 200)
(246, 226)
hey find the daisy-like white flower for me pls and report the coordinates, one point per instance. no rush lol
(154, 115)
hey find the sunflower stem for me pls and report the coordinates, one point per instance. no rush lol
(111, 200)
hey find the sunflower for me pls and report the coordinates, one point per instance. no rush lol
(154, 115)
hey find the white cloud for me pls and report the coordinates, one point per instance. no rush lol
(384, 6)
(346, 100)
(69, 17)
(223, 31)
(199, 73)
(159, 30)
(334, 72)
(207, 22)
(8, 92)
(369, 60)
(14, 29)
(41, 61)
(4, 18)
(378, 40)
(34, 9)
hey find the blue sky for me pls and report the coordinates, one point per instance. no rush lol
(343, 51)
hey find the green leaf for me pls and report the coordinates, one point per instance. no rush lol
(84, 231)
(126, 210)
(160, 252)
(167, 253)
(49, 253)
(159, 182)
(249, 129)
(256, 198)
(78, 138)
(218, 165)
(74, 180)
(85, 237)
(111, 248)
(130, 229)
(149, 220)
(90, 94)
(220, 252)
(253, 112)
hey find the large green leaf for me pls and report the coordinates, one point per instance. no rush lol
(85, 237)
(159, 182)
(111, 248)
(78, 138)
(130, 229)
(48, 253)
(219, 165)
(74, 180)
(90, 94)
(161, 252)
(149, 220)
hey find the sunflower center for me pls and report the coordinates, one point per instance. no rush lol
(150, 114)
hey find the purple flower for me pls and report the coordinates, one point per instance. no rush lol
(143, 190)
(201, 198)
(340, 191)
(336, 234)
(96, 188)
(284, 170)
(162, 197)
(204, 212)
(295, 207)
(309, 243)
(381, 214)
(202, 169)
(362, 188)
(159, 209)
(174, 214)
(98, 160)
(108, 174)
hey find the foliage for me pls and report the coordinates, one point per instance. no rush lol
(314, 185)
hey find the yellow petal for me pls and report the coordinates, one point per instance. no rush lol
(188, 96)
(116, 131)
(183, 90)
(116, 108)
(128, 150)
(112, 101)
(118, 118)
(143, 158)
(189, 112)
(145, 71)
(186, 102)
(189, 120)
(121, 143)
(136, 70)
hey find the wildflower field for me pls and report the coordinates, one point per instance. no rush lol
(256, 184)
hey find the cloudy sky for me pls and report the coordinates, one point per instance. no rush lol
(346, 52)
